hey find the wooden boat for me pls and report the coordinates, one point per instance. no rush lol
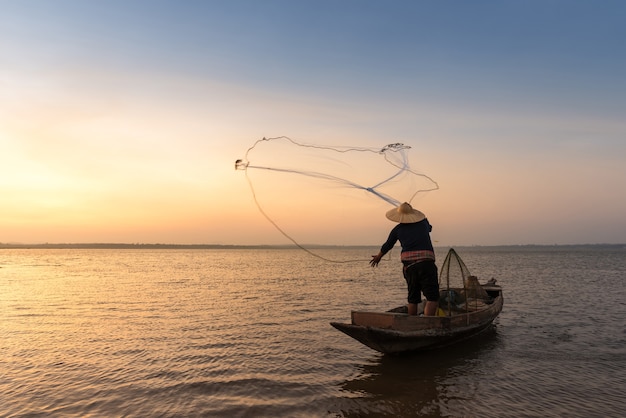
(464, 312)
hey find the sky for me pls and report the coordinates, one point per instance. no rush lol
(120, 121)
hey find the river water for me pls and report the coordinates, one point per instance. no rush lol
(245, 332)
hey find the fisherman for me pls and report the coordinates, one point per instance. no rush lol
(418, 256)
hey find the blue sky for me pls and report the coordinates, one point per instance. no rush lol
(515, 108)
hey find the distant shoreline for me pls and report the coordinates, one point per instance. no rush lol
(113, 246)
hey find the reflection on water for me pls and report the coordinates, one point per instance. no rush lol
(419, 384)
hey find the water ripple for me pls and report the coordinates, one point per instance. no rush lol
(245, 333)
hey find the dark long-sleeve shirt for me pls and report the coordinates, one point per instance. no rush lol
(412, 237)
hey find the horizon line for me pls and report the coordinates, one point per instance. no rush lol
(256, 246)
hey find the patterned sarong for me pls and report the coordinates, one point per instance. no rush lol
(413, 257)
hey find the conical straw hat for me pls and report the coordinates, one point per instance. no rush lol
(405, 214)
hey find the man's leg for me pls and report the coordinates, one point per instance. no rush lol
(430, 308)
(430, 286)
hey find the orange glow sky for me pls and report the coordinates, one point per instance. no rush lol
(120, 122)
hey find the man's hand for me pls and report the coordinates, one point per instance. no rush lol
(375, 259)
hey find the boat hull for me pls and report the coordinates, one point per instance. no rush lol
(393, 332)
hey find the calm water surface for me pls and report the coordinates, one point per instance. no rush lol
(193, 333)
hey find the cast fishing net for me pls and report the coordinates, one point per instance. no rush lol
(325, 192)
(459, 290)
